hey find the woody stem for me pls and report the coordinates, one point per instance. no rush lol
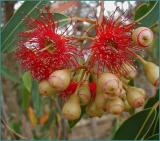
(78, 19)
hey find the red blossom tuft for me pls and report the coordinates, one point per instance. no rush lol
(70, 90)
(41, 50)
(73, 86)
(112, 44)
(92, 87)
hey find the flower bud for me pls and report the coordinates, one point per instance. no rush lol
(71, 109)
(152, 72)
(130, 71)
(84, 94)
(114, 94)
(100, 100)
(124, 80)
(122, 93)
(115, 106)
(45, 88)
(108, 82)
(127, 107)
(59, 79)
(135, 96)
(142, 36)
(93, 111)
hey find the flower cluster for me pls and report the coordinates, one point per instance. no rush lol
(111, 47)
(41, 50)
(51, 57)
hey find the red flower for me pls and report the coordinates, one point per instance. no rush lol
(73, 86)
(92, 87)
(42, 50)
(70, 90)
(111, 46)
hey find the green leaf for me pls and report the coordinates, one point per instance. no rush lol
(155, 50)
(155, 127)
(142, 9)
(154, 137)
(147, 14)
(27, 81)
(152, 100)
(8, 74)
(16, 23)
(63, 19)
(52, 119)
(16, 126)
(25, 98)
(131, 127)
(36, 98)
(73, 123)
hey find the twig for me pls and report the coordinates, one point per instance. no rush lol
(80, 67)
(78, 19)
(12, 131)
(137, 56)
(82, 38)
(101, 12)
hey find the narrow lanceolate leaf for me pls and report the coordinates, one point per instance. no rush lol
(16, 23)
(36, 99)
(32, 117)
(61, 19)
(27, 81)
(155, 127)
(25, 98)
(154, 137)
(147, 14)
(8, 74)
(136, 126)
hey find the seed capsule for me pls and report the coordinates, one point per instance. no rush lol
(143, 36)
(59, 79)
(115, 106)
(45, 88)
(71, 109)
(135, 96)
(152, 72)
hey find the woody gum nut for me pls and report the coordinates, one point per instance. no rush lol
(59, 79)
(143, 36)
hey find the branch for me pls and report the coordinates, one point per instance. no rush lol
(82, 38)
(78, 19)
(12, 131)
(101, 14)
